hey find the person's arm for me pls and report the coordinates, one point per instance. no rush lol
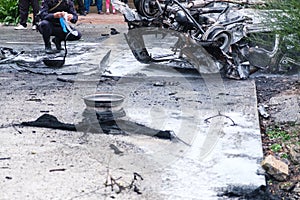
(44, 11)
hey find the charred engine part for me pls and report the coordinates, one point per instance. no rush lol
(181, 17)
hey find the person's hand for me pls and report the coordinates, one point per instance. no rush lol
(59, 14)
(69, 16)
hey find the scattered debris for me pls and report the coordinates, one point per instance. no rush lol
(172, 93)
(57, 170)
(118, 186)
(25, 67)
(114, 31)
(262, 111)
(7, 54)
(6, 158)
(247, 192)
(116, 149)
(34, 99)
(159, 83)
(276, 168)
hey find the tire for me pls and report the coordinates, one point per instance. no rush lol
(220, 35)
(146, 8)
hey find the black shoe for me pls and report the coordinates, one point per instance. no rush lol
(49, 50)
(57, 44)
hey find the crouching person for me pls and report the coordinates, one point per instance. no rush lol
(51, 14)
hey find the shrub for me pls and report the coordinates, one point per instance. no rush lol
(9, 12)
(284, 18)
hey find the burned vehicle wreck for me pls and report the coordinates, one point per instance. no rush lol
(222, 29)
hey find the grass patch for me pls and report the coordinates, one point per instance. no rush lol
(277, 133)
(276, 147)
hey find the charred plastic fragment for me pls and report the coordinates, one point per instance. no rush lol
(104, 122)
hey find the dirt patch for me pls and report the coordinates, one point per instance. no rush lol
(278, 137)
(94, 18)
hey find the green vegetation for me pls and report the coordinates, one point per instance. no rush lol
(276, 147)
(281, 137)
(9, 13)
(284, 155)
(278, 134)
(284, 18)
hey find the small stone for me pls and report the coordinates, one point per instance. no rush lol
(276, 168)
(295, 154)
(297, 188)
(159, 83)
(287, 106)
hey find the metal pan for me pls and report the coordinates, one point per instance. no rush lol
(104, 100)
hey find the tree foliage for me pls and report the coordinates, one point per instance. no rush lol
(284, 18)
(9, 12)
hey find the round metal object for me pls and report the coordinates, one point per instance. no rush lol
(147, 8)
(219, 34)
(103, 100)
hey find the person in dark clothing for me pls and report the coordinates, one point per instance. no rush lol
(80, 7)
(24, 11)
(50, 14)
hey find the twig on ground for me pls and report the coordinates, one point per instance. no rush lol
(6, 158)
(14, 127)
(176, 137)
(57, 170)
(220, 115)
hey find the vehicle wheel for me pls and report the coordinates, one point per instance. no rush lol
(147, 8)
(220, 35)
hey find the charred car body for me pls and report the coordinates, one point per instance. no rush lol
(222, 28)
